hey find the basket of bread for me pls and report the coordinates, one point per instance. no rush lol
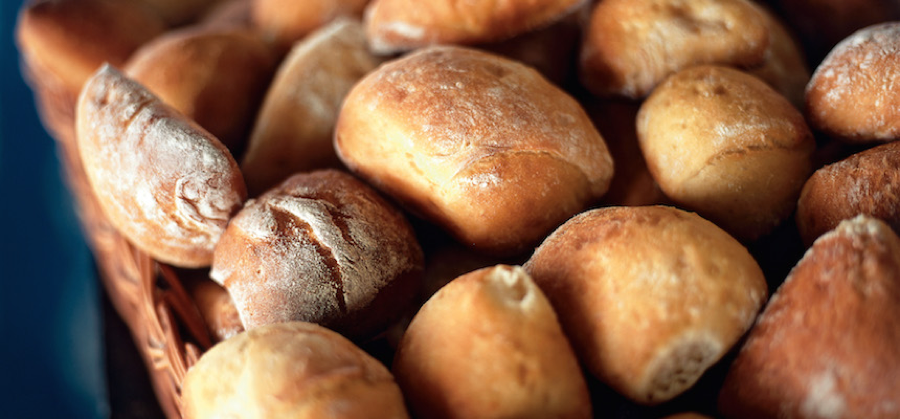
(488, 209)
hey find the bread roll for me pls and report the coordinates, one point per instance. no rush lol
(864, 183)
(632, 45)
(650, 296)
(166, 184)
(854, 94)
(294, 128)
(178, 12)
(287, 21)
(827, 344)
(289, 370)
(218, 310)
(402, 25)
(228, 14)
(723, 143)
(488, 345)
(784, 67)
(215, 77)
(478, 144)
(321, 247)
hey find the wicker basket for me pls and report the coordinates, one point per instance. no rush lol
(165, 324)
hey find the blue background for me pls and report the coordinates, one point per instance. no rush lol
(51, 342)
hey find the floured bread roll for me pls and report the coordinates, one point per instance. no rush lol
(480, 145)
(402, 25)
(650, 296)
(828, 343)
(288, 21)
(321, 247)
(215, 77)
(723, 143)
(632, 45)
(488, 345)
(290, 370)
(294, 128)
(164, 182)
(854, 94)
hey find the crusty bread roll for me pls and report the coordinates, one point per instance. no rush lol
(723, 143)
(854, 94)
(287, 21)
(827, 344)
(217, 308)
(321, 247)
(215, 77)
(632, 45)
(164, 182)
(402, 25)
(290, 370)
(864, 183)
(650, 296)
(480, 145)
(294, 128)
(784, 67)
(488, 345)
(68, 40)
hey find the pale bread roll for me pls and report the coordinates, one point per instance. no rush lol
(488, 345)
(320, 247)
(650, 297)
(295, 125)
(854, 94)
(723, 143)
(164, 182)
(402, 25)
(290, 370)
(632, 45)
(827, 344)
(478, 144)
(217, 77)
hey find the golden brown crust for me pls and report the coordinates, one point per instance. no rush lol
(489, 345)
(287, 21)
(854, 94)
(632, 45)
(218, 310)
(321, 247)
(166, 184)
(215, 77)
(864, 183)
(826, 345)
(650, 296)
(723, 143)
(402, 25)
(480, 145)
(294, 128)
(290, 370)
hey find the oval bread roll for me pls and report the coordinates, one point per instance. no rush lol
(828, 343)
(650, 296)
(723, 143)
(321, 247)
(854, 94)
(478, 144)
(166, 184)
(488, 345)
(290, 370)
(632, 45)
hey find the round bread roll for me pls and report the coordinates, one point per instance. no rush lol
(164, 182)
(723, 143)
(478, 144)
(864, 183)
(215, 77)
(294, 128)
(854, 94)
(402, 25)
(651, 297)
(289, 370)
(827, 344)
(68, 40)
(321, 247)
(632, 45)
(784, 67)
(488, 345)
(287, 21)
